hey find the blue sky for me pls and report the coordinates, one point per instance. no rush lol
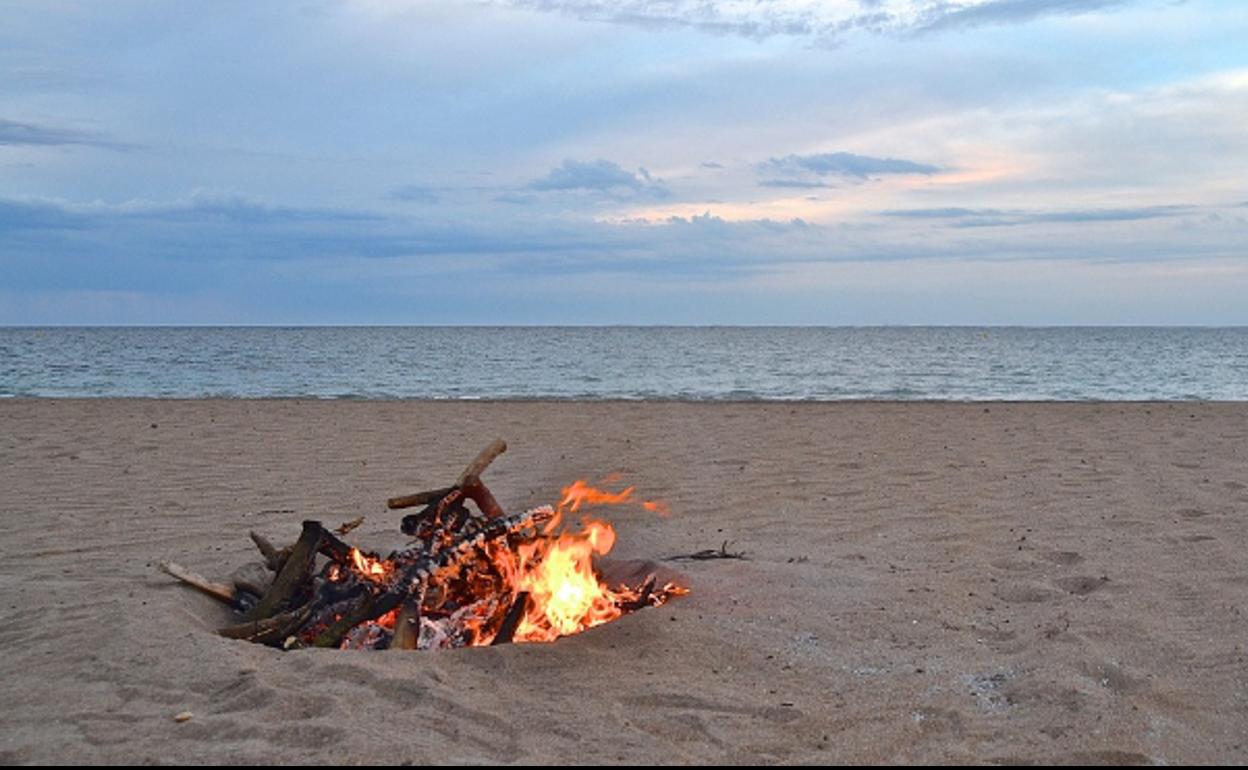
(636, 161)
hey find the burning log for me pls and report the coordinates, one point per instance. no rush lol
(468, 578)
(511, 621)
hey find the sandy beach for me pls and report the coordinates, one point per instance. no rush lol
(985, 583)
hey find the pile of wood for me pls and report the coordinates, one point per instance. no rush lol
(444, 589)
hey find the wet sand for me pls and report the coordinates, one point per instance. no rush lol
(924, 583)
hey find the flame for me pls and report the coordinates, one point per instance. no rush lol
(370, 567)
(566, 595)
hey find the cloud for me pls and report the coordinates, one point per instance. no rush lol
(601, 176)
(515, 198)
(797, 184)
(413, 193)
(38, 215)
(962, 15)
(14, 133)
(826, 22)
(844, 164)
(966, 217)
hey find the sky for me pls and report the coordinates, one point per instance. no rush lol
(624, 162)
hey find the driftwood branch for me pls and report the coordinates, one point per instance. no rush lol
(272, 630)
(709, 553)
(274, 557)
(471, 474)
(420, 498)
(481, 462)
(219, 591)
(294, 575)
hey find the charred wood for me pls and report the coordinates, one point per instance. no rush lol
(511, 621)
(292, 583)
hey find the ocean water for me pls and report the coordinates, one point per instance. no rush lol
(696, 363)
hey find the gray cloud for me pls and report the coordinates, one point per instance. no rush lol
(844, 164)
(15, 133)
(798, 184)
(38, 215)
(414, 193)
(964, 217)
(962, 15)
(599, 175)
(826, 25)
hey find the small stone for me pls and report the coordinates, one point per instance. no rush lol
(184, 716)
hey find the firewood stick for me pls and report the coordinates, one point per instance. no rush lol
(369, 607)
(407, 624)
(477, 492)
(274, 557)
(473, 471)
(219, 591)
(272, 630)
(294, 574)
(511, 621)
(420, 498)
(334, 548)
(481, 462)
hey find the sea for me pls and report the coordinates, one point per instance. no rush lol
(632, 363)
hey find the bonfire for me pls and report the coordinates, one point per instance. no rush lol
(471, 575)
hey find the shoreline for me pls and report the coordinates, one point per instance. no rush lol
(557, 400)
(926, 582)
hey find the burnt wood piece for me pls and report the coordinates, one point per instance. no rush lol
(420, 568)
(371, 607)
(420, 498)
(643, 595)
(447, 513)
(272, 631)
(294, 577)
(511, 621)
(407, 624)
(471, 473)
(476, 491)
(334, 548)
(219, 591)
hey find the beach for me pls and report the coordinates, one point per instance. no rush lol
(924, 582)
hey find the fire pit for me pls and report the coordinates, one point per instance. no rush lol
(470, 576)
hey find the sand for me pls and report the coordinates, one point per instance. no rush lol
(925, 583)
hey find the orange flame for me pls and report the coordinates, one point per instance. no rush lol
(566, 595)
(370, 567)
